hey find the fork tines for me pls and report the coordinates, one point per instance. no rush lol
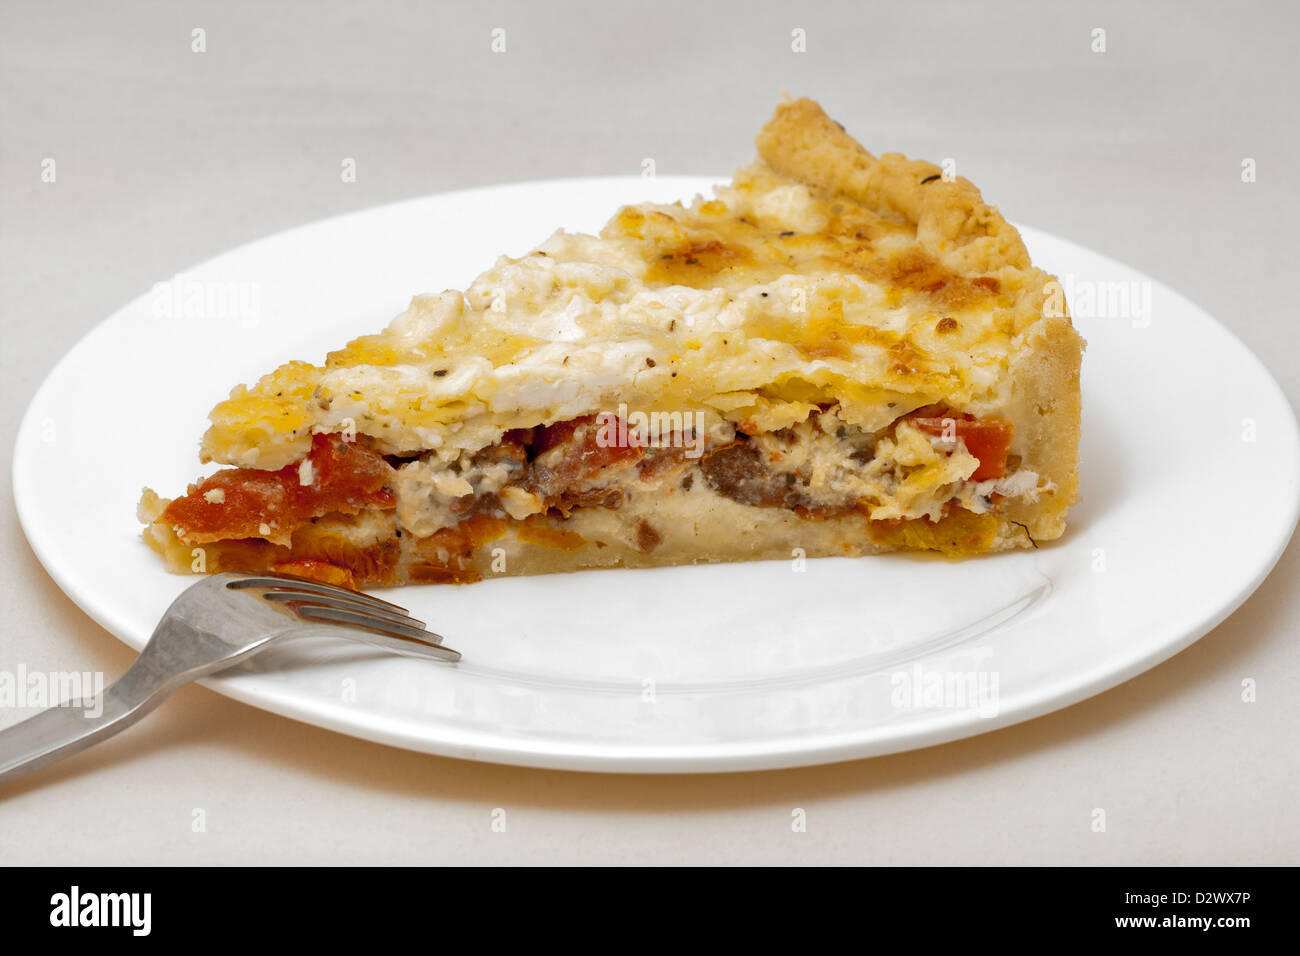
(383, 624)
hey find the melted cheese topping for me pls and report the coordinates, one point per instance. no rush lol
(752, 308)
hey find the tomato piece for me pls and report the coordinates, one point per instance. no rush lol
(342, 473)
(587, 447)
(592, 455)
(988, 439)
(605, 432)
(250, 503)
(321, 571)
(233, 503)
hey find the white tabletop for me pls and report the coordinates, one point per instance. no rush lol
(164, 157)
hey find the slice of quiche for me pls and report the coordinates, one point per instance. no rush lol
(838, 354)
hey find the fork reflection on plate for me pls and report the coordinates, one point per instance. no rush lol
(215, 624)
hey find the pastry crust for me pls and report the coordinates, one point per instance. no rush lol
(952, 221)
(857, 344)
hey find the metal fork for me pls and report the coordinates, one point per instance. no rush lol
(219, 622)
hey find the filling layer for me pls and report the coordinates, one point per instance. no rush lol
(924, 465)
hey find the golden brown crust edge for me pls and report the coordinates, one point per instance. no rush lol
(1046, 410)
(953, 223)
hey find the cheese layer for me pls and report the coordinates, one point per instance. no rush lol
(748, 310)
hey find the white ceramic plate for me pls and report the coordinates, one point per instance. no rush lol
(687, 669)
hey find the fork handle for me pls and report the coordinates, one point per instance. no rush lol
(64, 730)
